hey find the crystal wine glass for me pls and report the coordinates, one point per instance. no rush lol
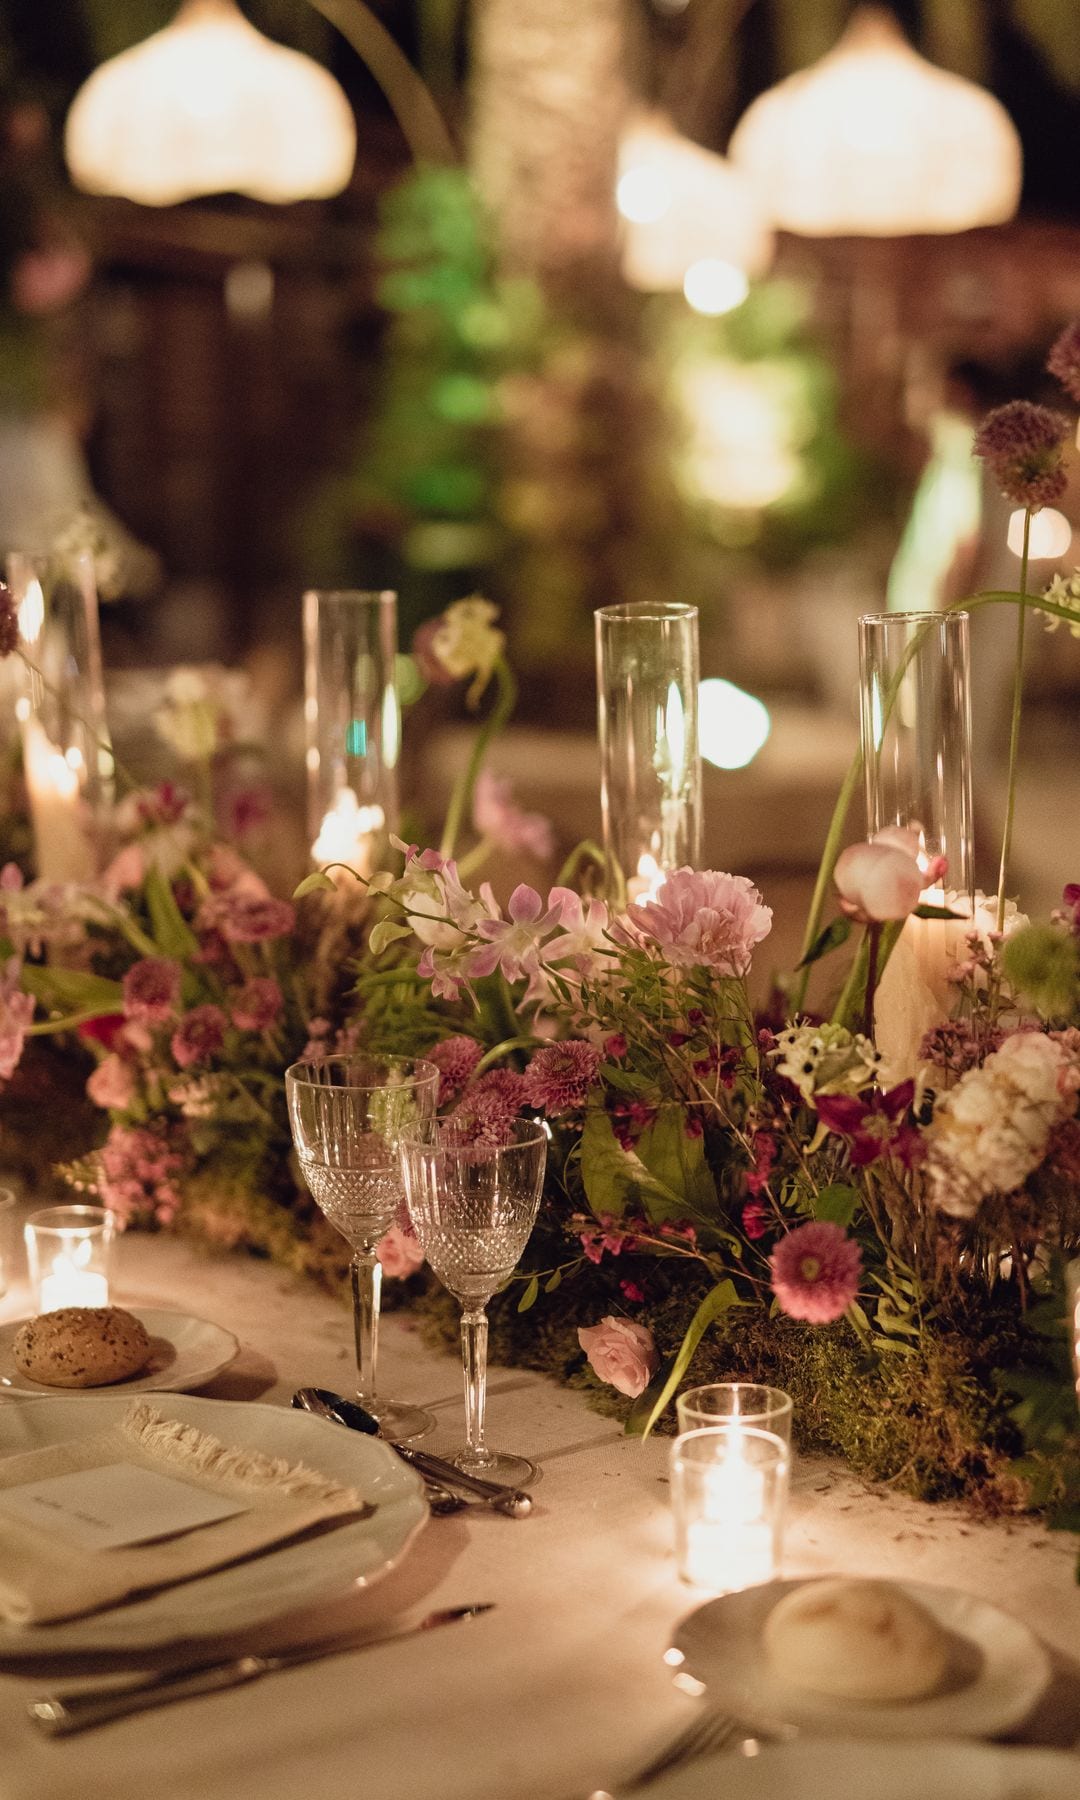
(347, 1114)
(473, 1207)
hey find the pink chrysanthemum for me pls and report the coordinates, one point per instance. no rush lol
(703, 919)
(1021, 443)
(1063, 361)
(257, 1005)
(815, 1272)
(559, 1077)
(152, 990)
(487, 1109)
(199, 1036)
(243, 917)
(9, 621)
(455, 1058)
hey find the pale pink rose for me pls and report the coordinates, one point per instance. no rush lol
(399, 1252)
(704, 920)
(883, 879)
(112, 1085)
(622, 1353)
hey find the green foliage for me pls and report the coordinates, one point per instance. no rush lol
(714, 1306)
(1042, 963)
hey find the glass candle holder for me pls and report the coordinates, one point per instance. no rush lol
(67, 758)
(353, 722)
(729, 1487)
(724, 1402)
(647, 672)
(69, 1254)
(7, 1238)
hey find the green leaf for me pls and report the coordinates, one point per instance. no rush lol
(318, 882)
(715, 1304)
(529, 1297)
(617, 1179)
(678, 1162)
(73, 990)
(173, 936)
(554, 1280)
(837, 1204)
(832, 937)
(922, 911)
(387, 931)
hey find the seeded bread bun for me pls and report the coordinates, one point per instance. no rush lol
(81, 1347)
(856, 1640)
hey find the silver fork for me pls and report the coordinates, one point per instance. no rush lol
(713, 1729)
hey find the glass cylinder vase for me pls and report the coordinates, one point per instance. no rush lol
(353, 721)
(67, 758)
(647, 673)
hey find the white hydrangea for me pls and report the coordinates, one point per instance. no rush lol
(826, 1059)
(990, 1131)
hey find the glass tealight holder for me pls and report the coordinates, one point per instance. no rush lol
(729, 1486)
(7, 1238)
(724, 1402)
(69, 1254)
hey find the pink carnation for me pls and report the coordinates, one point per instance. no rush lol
(257, 1005)
(559, 1077)
(399, 1252)
(112, 1084)
(199, 1036)
(815, 1271)
(498, 818)
(244, 917)
(152, 990)
(704, 919)
(622, 1353)
(455, 1058)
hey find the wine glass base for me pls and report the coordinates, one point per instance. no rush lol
(399, 1423)
(495, 1465)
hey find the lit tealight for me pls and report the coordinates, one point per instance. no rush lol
(1049, 538)
(347, 834)
(733, 724)
(713, 286)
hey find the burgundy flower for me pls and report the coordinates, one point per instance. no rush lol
(1021, 444)
(1063, 361)
(874, 1127)
(152, 990)
(755, 1219)
(815, 1272)
(9, 621)
(1071, 897)
(257, 1005)
(615, 1046)
(764, 1157)
(630, 1291)
(455, 1058)
(605, 1233)
(199, 1036)
(104, 1030)
(559, 1077)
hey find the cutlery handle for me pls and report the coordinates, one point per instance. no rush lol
(510, 1500)
(58, 1716)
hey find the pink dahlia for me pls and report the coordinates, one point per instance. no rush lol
(1063, 361)
(455, 1058)
(199, 1036)
(559, 1077)
(815, 1272)
(9, 621)
(487, 1109)
(1021, 444)
(257, 1005)
(152, 990)
(704, 919)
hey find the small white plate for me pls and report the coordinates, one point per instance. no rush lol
(185, 1353)
(264, 1588)
(999, 1669)
(836, 1771)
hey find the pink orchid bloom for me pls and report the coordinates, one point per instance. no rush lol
(516, 940)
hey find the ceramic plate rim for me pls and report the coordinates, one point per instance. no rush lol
(808, 1767)
(162, 1382)
(978, 1710)
(316, 1571)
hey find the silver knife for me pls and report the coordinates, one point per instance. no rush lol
(59, 1715)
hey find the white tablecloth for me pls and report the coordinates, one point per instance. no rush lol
(561, 1688)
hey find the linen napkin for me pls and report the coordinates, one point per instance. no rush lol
(43, 1577)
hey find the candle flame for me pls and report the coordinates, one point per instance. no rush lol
(348, 832)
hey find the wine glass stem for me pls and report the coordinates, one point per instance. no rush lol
(474, 1337)
(366, 1288)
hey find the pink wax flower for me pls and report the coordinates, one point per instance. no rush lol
(152, 990)
(1022, 445)
(704, 919)
(247, 918)
(455, 1058)
(9, 621)
(257, 1005)
(882, 879)
(498, 818)
(399, 1253)
(16, 1016)
(199, 1036)
(112, 1084)
(559, 1077)
(138, 1174)
(622, 1353)
(815, 1272)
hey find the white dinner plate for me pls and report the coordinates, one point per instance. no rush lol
(998, 1669)
(184, 1353)
(266, 1587)
(843, 1771)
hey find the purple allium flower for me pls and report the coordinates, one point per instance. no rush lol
(455, 1058)
(152, 990)
(1021, 443)
(9, 621)
(257, 1005)
(559, 1077)
(487, 1109)
(815, 1272)
(1063, 361)
(199, 1036)
(704, 919)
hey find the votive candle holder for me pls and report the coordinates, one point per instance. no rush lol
(744, 1403)
(69, 1256)
(353, 725)
(729, 1486)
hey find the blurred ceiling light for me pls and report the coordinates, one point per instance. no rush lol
(684, 205)
(713, 286)
(874, 141)
(733, 724)
(210, 106)
(1049, 538)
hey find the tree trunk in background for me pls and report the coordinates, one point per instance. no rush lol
(584, 483)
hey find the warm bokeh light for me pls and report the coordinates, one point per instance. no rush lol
(684, 205)
(643, 194)
(733, 724)
(1049, 539)
(713, 286)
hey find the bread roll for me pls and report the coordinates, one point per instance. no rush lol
(856, 1640)
(81, 1347)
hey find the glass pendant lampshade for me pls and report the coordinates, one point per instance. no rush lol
(874, 141)
(689, 216)
(210, 106)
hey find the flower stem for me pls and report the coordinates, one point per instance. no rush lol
(461, 798)
(1014, 731)
(873, 941)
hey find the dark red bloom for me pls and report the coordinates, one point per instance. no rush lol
(104, 1030)
(764, 1157)
(631, 1291)
(1071, 897)
(755, 1219)
(874, 1127)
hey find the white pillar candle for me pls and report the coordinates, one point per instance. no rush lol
(348, 834)
(63, 847)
